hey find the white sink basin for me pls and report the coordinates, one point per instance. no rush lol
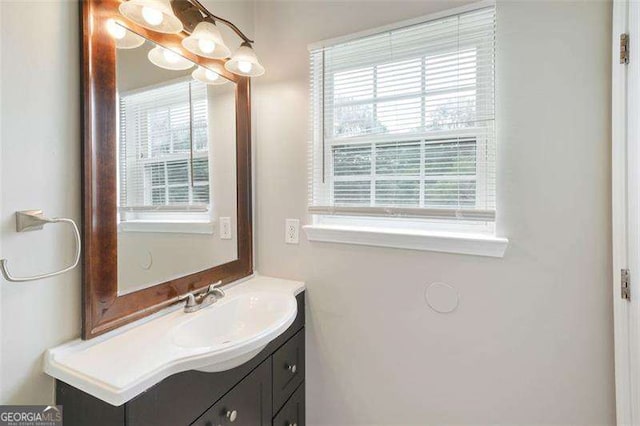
(233, 320)
(121, 364)
(235, 329)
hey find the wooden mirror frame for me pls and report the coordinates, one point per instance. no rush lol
(103, 310)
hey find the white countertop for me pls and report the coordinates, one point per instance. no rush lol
(125, 362)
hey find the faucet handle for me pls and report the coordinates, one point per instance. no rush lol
(191, 300)
(214, 289)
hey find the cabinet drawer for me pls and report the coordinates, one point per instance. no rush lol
(293, 411)
(288, 369)
(247, 404)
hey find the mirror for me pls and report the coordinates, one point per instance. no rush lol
(176, 166)
(166, 170)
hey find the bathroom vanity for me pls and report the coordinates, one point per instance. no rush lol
(106, 381)
(177, 327)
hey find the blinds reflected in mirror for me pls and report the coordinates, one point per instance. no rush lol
(403, 122)
(164, 150)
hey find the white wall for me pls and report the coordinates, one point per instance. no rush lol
(532, 339)
(40, 168)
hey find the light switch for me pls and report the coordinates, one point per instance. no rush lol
(225, 228)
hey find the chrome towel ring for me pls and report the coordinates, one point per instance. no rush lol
(34, 220)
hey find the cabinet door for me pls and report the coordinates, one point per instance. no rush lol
(288, 369)
(292, 414)
(81, 409)
(247, 404)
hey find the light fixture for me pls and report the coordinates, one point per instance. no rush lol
(116, 30)
(203, 36)
(208, 76)
(124, 38)
(245, 62)
(156, 15)
(206, 41)
(168, 59)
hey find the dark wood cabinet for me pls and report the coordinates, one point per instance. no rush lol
(247, 404)
(288, 369)
(292, 414)
(268, 389)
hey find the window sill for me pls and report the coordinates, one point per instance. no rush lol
(447, 242)
(167, 227)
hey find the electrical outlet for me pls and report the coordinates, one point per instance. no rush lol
(292, 229)
(225, 228)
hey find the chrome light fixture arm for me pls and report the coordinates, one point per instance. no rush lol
(203, 36)
(229, 24)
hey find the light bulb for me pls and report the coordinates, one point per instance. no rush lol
(151, 15)
(170, 56)
(116, 31)
(210, 75)
(206, 45)
(245, 66)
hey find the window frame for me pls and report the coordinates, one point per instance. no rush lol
(479, 133)
(394, 231)
(191, 218)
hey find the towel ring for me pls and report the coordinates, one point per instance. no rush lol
(34, 220)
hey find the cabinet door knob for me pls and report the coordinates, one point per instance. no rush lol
(292, 368)
(232, 415)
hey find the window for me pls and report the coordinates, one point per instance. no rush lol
(164, 154)
(403, 127)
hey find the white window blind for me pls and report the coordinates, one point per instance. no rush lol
(164, 150)
(403, 122)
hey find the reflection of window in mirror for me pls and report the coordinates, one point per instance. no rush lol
(164, 156)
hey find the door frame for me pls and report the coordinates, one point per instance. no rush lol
(625, 166)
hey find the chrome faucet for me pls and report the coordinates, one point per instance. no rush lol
(204, 299)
